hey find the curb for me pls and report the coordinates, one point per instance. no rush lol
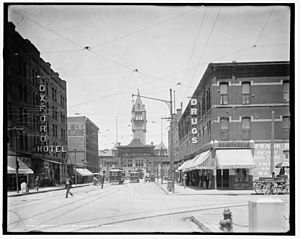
(228, 193)
(44, 191)
(165, 191)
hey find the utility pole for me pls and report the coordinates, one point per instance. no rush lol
(170, 105)
(172, 145)
(75, 168)
(17, 163)
(272, 144)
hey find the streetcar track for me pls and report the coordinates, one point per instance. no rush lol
(66, 205)
(182, 210)
(42, 200)
(157, 215)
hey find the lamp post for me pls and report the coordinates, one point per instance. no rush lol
(170, 105)
(75, 166)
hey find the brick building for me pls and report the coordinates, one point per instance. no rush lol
(237, 114)
(83, 146)
(36, 109)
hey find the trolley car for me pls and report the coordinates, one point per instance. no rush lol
(134, 177)
(116, 176)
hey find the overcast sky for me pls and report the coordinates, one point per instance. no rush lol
(96, 50)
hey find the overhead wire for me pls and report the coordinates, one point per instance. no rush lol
(194, 45)
(143, 28)
(206, 43)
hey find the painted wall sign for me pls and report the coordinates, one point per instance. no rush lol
(194, 120)
(262, 157)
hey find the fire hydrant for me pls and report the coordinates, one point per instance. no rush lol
(226, 223)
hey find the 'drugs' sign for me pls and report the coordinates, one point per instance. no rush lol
(194, 120)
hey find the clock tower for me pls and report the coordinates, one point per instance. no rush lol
(138, 120)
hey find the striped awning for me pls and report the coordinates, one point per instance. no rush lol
(234, 158)
(201, 161)
(205, 161)
(11, 166)
(84, 172)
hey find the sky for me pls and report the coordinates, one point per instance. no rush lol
(106, 53)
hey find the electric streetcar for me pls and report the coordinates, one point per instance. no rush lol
(116, 176)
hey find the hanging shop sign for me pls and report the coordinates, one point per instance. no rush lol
(43, 122)
(194, 120)
(234, 144)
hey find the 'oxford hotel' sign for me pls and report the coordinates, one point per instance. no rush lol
(194, 120)
(43, 123)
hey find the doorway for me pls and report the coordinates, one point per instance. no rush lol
(222, 178)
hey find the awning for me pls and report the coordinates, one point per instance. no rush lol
(11, 166)
(190, 164)
(205, 161)
(52, 161)
(234, 158)
(84, 172)
(181, 166)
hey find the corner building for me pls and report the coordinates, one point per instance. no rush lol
(236, 127)
(36, 112)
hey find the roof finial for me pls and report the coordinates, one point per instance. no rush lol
(138, 91)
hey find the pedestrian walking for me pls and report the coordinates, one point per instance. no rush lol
(102, 181)
(68, 186)
(36, 183)
(184, 180)
(207, 180)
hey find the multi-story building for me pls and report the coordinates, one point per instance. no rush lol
(236, 126)
(36, 109)
(83, 146)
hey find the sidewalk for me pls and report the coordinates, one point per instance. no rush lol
(43, 190)
(193, 190)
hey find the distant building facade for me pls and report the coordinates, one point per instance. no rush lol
(83, 144)
(36, 109)
(107, 161)
(137, 155)
(226, 129)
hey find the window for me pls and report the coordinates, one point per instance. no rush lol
(138, 116)
(224, 128)
(286, 127)
(246, 128)
(224, 93)
(129, 163)
(286, 91)
(246, 93)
